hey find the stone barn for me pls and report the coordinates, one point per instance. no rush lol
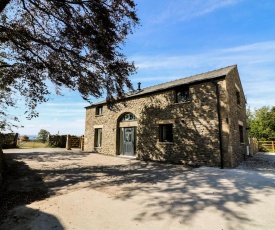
(198, 120)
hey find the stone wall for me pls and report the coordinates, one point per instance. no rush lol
(57, 141)
(8, 140)
(237, 116)
(195, 127)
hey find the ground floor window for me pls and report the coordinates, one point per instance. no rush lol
(166, 133)
(98, 137)
(241, 133)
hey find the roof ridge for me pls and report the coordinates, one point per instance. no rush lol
(189, 76)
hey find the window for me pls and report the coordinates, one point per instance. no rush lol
(129, 117)
(99, 110)
(166, 133)
(182, 94)
(238, 98)
(241, 133)
(98, 137)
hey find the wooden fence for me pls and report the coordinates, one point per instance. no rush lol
(267, 146)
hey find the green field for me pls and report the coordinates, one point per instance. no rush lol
(32, 144)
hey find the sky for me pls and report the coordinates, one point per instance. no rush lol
(181, 38)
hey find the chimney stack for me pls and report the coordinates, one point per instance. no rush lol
(139, 86)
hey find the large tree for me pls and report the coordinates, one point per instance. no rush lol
(71, 43)
(262, 123)
(43, 135)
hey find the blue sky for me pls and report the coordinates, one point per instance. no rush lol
(180, 38)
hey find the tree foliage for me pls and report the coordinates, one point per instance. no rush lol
(7, 121)
(71, 43)
(43, 135)
(262, 123)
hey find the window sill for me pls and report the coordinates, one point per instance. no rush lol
(239, 106)
(165, 143)
(99, 115)
(183, 102)
(98, 147)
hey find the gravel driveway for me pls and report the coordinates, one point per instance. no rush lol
(77, 189)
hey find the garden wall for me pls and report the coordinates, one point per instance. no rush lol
(57, 141)
(8, 140)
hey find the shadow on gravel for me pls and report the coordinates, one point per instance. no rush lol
(178, 190)
(22, 186)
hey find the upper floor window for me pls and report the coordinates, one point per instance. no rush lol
(166, 133)
(182, 94)
(129, 117)
(99, 110)
(238, 97)
(241, 133)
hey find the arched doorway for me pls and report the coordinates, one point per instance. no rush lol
(127, 124)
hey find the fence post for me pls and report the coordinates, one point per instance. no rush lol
(82, 143)
(273, 150)
(68, 142)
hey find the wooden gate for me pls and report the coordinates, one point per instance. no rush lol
(75, 142)
(267, 145)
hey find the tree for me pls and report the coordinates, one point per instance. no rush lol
(43, 135)
(71, 43)
(262, 123)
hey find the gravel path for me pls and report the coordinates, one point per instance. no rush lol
(260, 162)
(72, 189)
(36, 174)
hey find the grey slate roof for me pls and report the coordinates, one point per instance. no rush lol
(172, 84)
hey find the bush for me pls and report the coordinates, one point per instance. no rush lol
(24, 138)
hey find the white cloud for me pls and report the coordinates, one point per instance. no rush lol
(256, 64)
(182, 10)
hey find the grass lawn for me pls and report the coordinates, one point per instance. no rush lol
(32, 144)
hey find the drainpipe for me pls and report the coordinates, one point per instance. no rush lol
(219, 120)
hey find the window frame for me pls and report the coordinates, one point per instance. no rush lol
(241, 134)
(238, 97)
(185, 94)
(98, 138)
(166, 133)
(99, 110)
(128, 117)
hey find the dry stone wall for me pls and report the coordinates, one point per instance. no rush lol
(8, 140)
